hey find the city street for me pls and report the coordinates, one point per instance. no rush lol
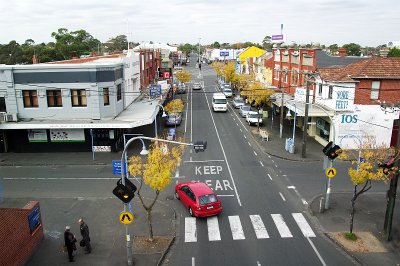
(265, 220)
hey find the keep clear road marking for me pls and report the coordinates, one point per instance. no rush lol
(190, 229)
(213, 229)
(223, 152)
(304, 226)
(281, 225)
(236, 227)
(259, 226)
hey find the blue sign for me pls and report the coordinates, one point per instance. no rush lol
(34, 219)
(116, 167)
(155, 90)
(223, 53)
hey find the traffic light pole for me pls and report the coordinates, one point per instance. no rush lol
(129, 240)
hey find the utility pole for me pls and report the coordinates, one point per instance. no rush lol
(305, 127)
(283, 72)
(391, 193)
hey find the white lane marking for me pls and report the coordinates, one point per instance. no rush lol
(240, 130)
(186, 115)
(190, 229)
(298, 194)
(225, 195)
(316, 252)
(237, 124)
(269, 176)
(303, 224)
(255, 153)
(259, 227)
(249, 144)
(236, 227)
(193, 261)
(191, 115)
(205, 161)
(223, 152)
(245, 136)
(281, 226)
(261, 164)
(283, 198)
(258, 263)
(213, 229)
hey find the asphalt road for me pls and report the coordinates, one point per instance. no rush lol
(264, 221)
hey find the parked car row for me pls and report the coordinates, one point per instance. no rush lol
(252, 117)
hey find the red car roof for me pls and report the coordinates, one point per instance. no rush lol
(198, 188)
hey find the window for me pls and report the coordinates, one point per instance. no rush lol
(319, 89)
(106, 96)
(30, 98)
(54, 98)
(330, 92)
(78, 98)
(375, 90)
(119, 92)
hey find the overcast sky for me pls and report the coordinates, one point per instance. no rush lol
(366, 22)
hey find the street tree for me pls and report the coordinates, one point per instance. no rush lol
(183, 75)
(156, 172)
(267, 43)
(174, 106)
(258, 95)
(218, 67)
(334, 48)
(216, 45)
(370, 155)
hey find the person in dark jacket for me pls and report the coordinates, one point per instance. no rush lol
(69, 242)
(85, 236)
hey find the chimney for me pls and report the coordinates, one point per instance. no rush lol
(35, 59)
(342, 52)
(384, 52)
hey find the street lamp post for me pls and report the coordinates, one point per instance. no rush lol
(199, 146)
(199, 65)
(155, 119)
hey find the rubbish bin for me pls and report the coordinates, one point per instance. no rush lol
(288, 142)
(292, 147)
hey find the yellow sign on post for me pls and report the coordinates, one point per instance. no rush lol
(330, 172)
(126, 217)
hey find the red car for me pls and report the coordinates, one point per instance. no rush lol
(199, 198)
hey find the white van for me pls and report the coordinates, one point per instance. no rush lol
(219, 102)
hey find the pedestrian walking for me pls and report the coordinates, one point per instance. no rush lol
(85, 242)
(69, 242)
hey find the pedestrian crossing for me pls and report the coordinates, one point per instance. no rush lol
(258, 226)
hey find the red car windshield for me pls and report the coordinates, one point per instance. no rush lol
(207, 199)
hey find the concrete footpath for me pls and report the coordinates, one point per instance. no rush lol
(107, 234)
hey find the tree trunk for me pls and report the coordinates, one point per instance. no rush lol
(353, 203)
(149, 224)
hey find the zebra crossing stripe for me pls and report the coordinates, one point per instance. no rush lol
(259, 227)
(213, 229)
(236, 227)
(190, 229)
(304, 226)
(281, 225)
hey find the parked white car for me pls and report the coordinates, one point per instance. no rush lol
(227, 92)
(253, 118)
(237, 102)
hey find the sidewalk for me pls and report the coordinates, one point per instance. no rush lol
(368, 221)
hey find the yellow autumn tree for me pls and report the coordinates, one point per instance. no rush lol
(174, 106)
(366, 159)
(229, 72)
(218, 67)
(183, 75)
(156, 172)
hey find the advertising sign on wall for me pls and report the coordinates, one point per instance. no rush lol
(67, 135)
(37, 135)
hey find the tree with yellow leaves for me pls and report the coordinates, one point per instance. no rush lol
(183, 76)
(369, 156)
(174, 106)
(156, 173)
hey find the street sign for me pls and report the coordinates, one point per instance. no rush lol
(116, 167)
(126, 217)
(155, 90)
(330, 172)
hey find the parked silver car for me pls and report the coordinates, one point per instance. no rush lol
(173, 119)
(196, 86)
(237, 102)
(244, 109)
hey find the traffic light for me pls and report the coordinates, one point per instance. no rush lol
(332, 151)
(125, 193)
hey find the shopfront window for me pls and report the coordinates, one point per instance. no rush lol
(323, 129)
